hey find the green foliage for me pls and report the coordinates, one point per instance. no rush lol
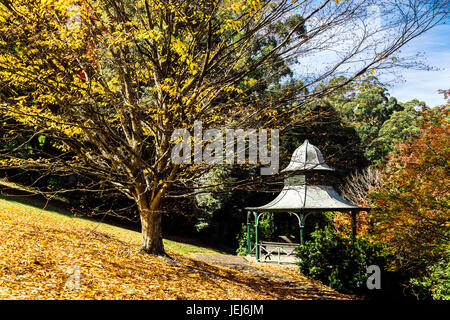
(266, 229)
(54, 183)
(211, 202)
(437, 279)
(378, 119)
(402, 125)
(368, 107)
(334, 260)
(326, 129)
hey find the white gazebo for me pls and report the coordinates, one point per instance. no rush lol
(304, 193)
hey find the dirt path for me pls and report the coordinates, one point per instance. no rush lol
(281, 277)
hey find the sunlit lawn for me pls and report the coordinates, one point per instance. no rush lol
(121, 233)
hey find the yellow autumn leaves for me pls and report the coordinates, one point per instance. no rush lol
(44, 256)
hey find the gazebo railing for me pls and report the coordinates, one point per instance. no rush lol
(268, 249)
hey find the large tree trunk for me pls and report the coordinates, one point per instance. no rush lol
(150, 213)
(151, 228)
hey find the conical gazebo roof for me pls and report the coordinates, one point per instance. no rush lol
(298, 196)
(307, 198)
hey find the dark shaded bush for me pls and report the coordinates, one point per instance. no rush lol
(339, 262)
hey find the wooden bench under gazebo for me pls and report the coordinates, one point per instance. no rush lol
(303, 194)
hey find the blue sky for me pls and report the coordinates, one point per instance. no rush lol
(404, 84)
(423, 85)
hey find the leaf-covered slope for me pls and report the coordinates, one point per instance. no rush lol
(41, 254)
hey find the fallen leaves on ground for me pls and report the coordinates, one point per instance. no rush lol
(43, 258)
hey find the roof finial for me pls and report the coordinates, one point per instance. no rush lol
(307, 157)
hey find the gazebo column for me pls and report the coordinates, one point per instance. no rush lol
(257, 215)
(249, 244)
(302, 225)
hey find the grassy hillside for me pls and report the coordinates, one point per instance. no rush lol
(61, 216)
(42, 252)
